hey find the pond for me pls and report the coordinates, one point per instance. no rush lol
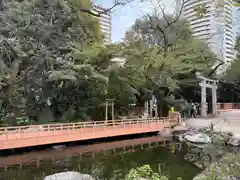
(110, 161)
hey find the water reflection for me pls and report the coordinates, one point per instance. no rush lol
(103, 161)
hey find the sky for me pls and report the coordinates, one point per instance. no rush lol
(236, 20)
(123, 17)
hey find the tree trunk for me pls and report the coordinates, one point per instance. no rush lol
(1, 5)
(45, 115)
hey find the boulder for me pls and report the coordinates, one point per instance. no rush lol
(234, 142)
(181, 138)
(70, 175)
(198, 138)
(180, 129)
(166, 132)
(218, 139)
(202, 176)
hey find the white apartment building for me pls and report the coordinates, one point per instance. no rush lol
(236, 20)
(105, 21)
(214, 26)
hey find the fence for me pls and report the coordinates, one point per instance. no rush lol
(226, 106)
(20, 132)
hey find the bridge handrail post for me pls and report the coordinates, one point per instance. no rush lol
(6, 133)
(38, 131)
(94, 125)
(19, 132)
(54, 129)
(104, 125)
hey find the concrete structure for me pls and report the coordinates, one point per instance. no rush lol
(236, 23)
(236, 19)
(212, 22)
(204, 84)
(105, 21)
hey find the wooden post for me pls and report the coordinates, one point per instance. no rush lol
(112, 110)
(19, 132)
(214, 100)
(212, 84)
(106, 112)
(151, 108)
(6, 134)
(203, 99)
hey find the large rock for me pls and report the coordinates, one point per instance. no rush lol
(234, 142)
(70, 175)
(180, 129)
(202, 176)
(218, 139)
(198, 138)
(181, 138)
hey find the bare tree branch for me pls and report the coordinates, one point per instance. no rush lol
(167, 23)
(95, 12)
(1, 5)
(214, 69)
(178, 15)
(164, 36)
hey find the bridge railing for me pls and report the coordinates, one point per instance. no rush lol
(227, 106)
(90, 126)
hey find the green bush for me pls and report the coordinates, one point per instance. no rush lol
(145, 173)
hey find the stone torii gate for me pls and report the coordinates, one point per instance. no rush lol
(204, 84)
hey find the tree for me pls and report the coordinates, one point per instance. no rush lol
(55, 67)
(101, 79)
(229, 90)
(37, 44)
(166, 71)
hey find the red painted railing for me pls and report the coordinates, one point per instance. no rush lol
(19, 132)
(228, 106)
(35, 135)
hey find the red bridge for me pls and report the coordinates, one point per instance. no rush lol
(36, 135)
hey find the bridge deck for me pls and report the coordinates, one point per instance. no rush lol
(27, 136)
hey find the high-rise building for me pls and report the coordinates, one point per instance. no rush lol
(236, 20)
(212, 22)
(236, 24)
(105, 21)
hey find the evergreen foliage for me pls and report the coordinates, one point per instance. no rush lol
(54, 65)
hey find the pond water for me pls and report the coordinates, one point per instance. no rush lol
(110, 161)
